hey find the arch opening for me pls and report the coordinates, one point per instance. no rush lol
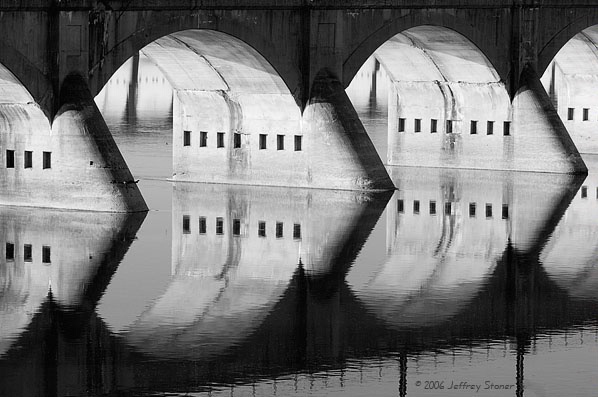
(571, 81)
(233, 117)
(447, 105)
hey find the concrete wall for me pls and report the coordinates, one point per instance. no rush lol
(572, 82)
(86, 170)
(438, 76)
(224, 87)
(444, 79)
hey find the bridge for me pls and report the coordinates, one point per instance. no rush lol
(259, 90)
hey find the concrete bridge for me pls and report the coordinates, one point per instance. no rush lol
(259, 89)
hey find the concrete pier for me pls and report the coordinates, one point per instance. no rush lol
(72, 163)
(542, 143)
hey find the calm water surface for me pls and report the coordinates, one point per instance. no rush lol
(461, 283)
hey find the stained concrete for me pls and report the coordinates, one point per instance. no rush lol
(221, 85)
(444, 77)
(87, 171)
(542, 143)
(571, 81)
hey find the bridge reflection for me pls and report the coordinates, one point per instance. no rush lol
(252, 296)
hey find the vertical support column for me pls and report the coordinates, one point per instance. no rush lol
(88, 170)
(342, 154)
(541, 141)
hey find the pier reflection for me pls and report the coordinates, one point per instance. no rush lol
(280, 284)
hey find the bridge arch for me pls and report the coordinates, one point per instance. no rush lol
(33, 82)
(109, 60)
(571, 79)
(556, 42)
(443, 22)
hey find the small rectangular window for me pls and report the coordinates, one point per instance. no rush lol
(584, 192)
(505, 211)
(10, 252)
(401, 124)
(203, 138)
(10, 159)
(433, 125)
(432, 207)
(570, 113)
(186, 138)
(220, 139)
(236, 227)
(490, 128)
(46, 254)
(236, 140)
(261, 229)
(449, 127)
(416, 206)
(417, 125)
(203, 225)
(47, 160)
(472, 210)
(586, 114)
(28, 159)
(186, 224)
(279, 229)
(219, 226)
(296, 231)
(473, 128)
(488, 210)
(400, 207)
(506, 128)
(279, 142)
(448, 208)
(27, 253)
(263, 138)
(298, 143)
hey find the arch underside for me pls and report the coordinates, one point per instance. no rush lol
(571, 81)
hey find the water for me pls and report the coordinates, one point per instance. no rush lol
(461, 279)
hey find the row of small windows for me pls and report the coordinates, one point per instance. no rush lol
(448, 208)
(449, 124)
(236, 227)
(28, 159)
(263, 140)
(27, 253)
(585, 114)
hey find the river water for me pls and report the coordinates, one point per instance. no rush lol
(460, 283)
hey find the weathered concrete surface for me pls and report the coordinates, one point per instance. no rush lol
(541, 141)
(43, 42)
(571, 81)
(222, 86)
(334, 131)
(86, 171)
(85, 249)
(438, 76)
